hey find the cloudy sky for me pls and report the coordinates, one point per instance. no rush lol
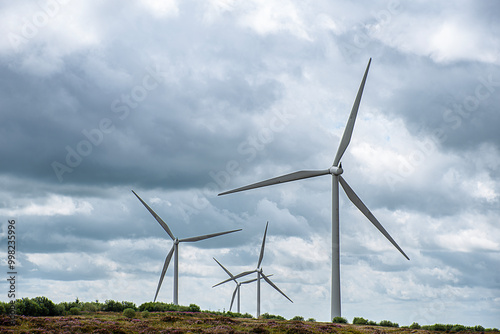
(182, 100)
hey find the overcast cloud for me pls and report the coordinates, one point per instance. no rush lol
(182, 100)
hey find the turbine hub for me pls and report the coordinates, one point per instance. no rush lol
(334, 170)
(176, 241)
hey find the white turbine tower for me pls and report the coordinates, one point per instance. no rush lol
(335, 170)
(175, 250)
(238, 286)
(260, 275)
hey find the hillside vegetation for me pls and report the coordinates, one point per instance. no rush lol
(40, 315)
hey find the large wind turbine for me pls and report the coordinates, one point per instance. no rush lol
(238, 286)
(260, 275)
(335, 170)
(175, 250)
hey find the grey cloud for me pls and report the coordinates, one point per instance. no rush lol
(223, 81)
(475, 269)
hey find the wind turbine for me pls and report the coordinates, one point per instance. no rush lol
(335, 170)
(175, 250)
(260, 274)
(238, 285)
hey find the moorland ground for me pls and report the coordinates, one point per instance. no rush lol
(186, 322)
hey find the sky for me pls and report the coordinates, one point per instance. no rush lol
(182, 100)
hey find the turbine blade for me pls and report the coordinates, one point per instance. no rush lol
(262, 247)
(227, 271)
(304, 174)
(162, 223)
(235, 277)
(275, 287)
(362, 207)
(207, 236)
(253, 280)
(346, 137)
(164, 270)
(249, 281)
(232, 299)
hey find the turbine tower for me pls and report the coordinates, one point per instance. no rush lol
(260, 275)
(335, 170)
(238, 286)
(175, 250)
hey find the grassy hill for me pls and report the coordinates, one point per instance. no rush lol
(184, 322)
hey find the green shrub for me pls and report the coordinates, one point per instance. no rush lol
(67, 306)
(74, 311)
(91, 307)
(150, 307)
(129, 313)
(271, 316)
(129, 305)
(458, 328)
(194, 308)
(453, 328)
(7, 307)
(339, 320)
(387, 323)
(162, 307)
(311, 320)
(372, 323)
(46, 305)
(28, 307)
(436, 327)
(359, 321)
(63, 306)
(415, 325)
(298, 318)
(145, 314)
(114, 306)
(229, 314)
(60, 309)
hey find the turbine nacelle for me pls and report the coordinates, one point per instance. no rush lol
(334, 170)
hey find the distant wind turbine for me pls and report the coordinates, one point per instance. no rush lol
(335, 170)
(238, 286)
(260, 275)
(175, 250)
